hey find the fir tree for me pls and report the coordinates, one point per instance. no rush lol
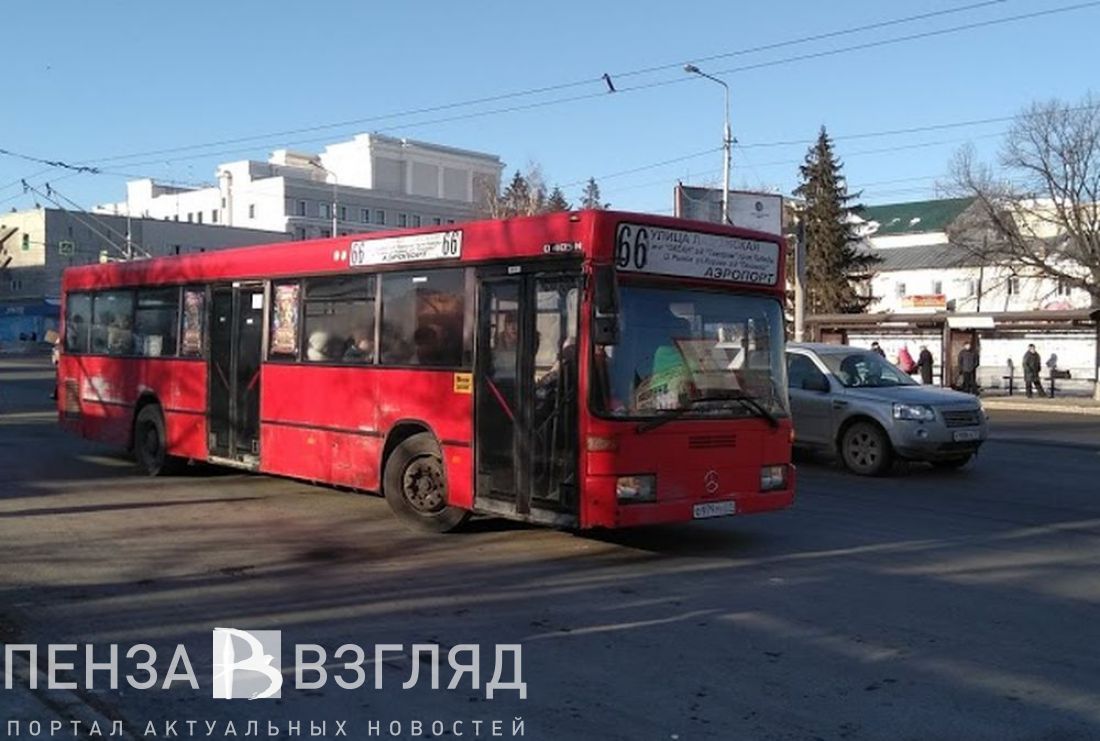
(835, 265)
(591, 196)
(556, 201)
(516, 196)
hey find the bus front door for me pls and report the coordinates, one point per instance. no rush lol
(236, 335)
(526, 396)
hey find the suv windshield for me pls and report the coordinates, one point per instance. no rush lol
(861, 368)
(690, 351)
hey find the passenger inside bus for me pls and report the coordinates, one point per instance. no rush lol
(360, 347)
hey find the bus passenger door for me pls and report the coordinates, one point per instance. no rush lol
(526, 396)
(236, 334)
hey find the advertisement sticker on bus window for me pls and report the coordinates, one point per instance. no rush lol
(409, 248)
(284, 320)
(191, 341)
(652, 249)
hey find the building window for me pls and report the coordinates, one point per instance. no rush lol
(402, 220)
(364, 215)
(190, 217)
(899, 289)
(379, 217)
(1013, 286)
(214, 216)
(415, 221)
(937, 287)
(450, 221)
(1064, 288)
(175, 217)
(343, 213)
(16, 284)
(223, 202)
(26, 242)
(300, 233)
(326, 233)
(436, 220)
(198, 216)
(301, 208)
(325, 210)
(252, 210)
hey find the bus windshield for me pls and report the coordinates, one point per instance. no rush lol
(680, 347)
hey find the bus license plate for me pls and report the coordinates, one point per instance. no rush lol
(963, 436)
(713, 509)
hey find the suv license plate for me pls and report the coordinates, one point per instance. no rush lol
(713, 509)
(963, 436)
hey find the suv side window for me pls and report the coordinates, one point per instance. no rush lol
(800, 369)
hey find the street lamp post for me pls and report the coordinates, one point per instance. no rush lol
(727, 141)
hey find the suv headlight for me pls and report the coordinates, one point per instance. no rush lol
(920, 412)
(636, 488)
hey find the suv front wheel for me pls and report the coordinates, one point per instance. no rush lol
(865, 449)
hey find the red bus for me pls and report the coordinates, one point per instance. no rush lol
(584, 369)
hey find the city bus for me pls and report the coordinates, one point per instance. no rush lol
(589, 369)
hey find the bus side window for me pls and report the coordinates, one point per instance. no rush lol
(78, 319)
(156, 319)
(112, 323)
(423, 317)
(339, 319)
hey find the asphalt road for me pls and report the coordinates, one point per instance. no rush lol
(929, 605)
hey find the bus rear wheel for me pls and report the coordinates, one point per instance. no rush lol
(151, 443)
(416, 488)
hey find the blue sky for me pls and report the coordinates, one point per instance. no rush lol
(87, 81)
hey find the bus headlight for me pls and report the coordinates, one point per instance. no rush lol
(636, 488)
(773, 478)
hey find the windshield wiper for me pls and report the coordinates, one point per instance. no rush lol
(745, 400)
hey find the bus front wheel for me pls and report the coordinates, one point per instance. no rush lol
(416, 489)
(151, 443)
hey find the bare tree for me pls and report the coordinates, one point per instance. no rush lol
(525, 195)
(1039, 213)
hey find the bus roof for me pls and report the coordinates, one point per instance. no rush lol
(589, 234)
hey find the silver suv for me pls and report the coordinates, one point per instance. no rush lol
(852, 402)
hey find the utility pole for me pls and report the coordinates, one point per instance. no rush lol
(800, 282)
(727, 142)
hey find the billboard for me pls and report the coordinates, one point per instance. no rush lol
(760, 211)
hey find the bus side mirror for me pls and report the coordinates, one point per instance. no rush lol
(606, 292)
(605, 330)
(605, 323)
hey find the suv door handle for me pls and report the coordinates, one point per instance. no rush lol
(838, 404)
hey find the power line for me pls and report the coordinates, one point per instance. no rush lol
(554, 87)
(49, 196)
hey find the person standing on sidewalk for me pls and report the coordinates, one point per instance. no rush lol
(968, 363)
(1032, 365)
(924, 365)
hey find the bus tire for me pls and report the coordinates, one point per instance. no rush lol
(416, 489)
(151, 443)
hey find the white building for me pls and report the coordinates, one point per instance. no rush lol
(369, 183)
(922, 270)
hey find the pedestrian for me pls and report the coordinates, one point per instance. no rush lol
(924, 365)
(876, 349)
(1032, 365)
(968, 362)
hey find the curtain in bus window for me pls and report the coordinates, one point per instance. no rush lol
(78, 319)
(284, 320)
(156, 318)
(339, 319)
(112, 323)
(423, 318)
(194, 302)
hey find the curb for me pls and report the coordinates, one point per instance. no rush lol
(1056, 407)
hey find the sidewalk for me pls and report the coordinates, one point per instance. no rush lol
(1059, 404)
